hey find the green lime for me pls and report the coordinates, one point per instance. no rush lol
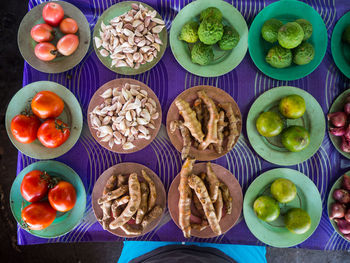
(290, 35)
(283, 190)
(297, 221)
(269, 124)
(266, 208)
(295, 138)
(292, 106)
(269, 30)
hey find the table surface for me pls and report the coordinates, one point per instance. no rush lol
(168, 79)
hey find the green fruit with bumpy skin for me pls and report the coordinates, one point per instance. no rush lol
(279, 57)
(292, 106)
(269, 30)
(303, 54)
(230, 38)
(346, 35)
(283, 190)
(290, 35)
(295, 138)
(306, 26)
(202, 54)
(211, 11)
(269, 124)
(297, 221)
(189, 32)
(210, 30)
(266, 208)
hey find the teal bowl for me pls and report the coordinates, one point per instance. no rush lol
(64, 222)
(287, 11)
(340, 50)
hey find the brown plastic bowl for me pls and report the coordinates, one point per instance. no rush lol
(189, 95)
(126, 169)
(224, 175)
(97, 100)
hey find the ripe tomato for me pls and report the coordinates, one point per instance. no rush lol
(68, 26)
(42, 33)
(35, 185)
(47, 104)
(45, 51)
(68, 44)
(53, 14)
(25, 127)
(38, 215)
(53, 132)
(63, 196)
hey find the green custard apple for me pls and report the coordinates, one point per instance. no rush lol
(303, 54)
(346, 35)
(283, 190)
(297, 221)
(189, 32)
(202, 54)
(210, 31)
(292, 106)
(269, 30)
(269, 124)
(230, 38)
(295, 138)
(306, 26)
(290, 35)
(211, 11)
(266, 208)
(279, 57)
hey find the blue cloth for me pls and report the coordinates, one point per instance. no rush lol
(240, 253)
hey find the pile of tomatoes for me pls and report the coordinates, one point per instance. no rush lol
(53, 132)
(35, 187)
(44, 33)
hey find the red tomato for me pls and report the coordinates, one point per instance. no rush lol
(35, 185)
(68, 26)
(38, 215)
(68, 44)
(63, 196)
(47, 104)
(53, 132)
(42, 33)
(45, 51)
(53, 14)
(25, 127)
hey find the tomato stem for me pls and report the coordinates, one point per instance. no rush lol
(61, 126)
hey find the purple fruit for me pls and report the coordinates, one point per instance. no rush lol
(347, 215)
(346, 182)
(338, 119)
(343, 226)
(342, 196)
(337, 131)
(347, 108)
(337, 210)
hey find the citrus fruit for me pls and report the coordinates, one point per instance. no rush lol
(290, 35)
(269, 124)
(283, 190)
(266, 208)
(297, 221)
(295, 138)
(269, 30)
(292, 106)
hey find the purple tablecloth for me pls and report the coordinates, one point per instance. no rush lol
(168, 79)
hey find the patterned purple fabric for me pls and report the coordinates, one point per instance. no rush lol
(168, 79)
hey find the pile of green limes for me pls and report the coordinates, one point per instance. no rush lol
(294, 138)
(267, 208)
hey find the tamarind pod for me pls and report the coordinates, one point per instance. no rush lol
(143, 205)
(113, 194)
(152, 197)
(214, 183)
(133, 204)
(151, 215)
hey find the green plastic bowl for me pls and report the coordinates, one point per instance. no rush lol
(224, 61)
(287, 11)
(64, 222)
(340, 50)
